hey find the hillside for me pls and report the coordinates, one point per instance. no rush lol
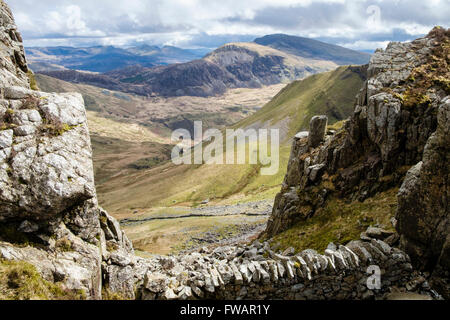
(327, 93)
(132, 133)
(150, 192)
(289, 111)
(309, 48)
(105, 58)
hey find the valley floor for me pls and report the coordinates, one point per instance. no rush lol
(181, 229)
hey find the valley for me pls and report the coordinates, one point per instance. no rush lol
(132, 149)
(183, 229)
(130, 136)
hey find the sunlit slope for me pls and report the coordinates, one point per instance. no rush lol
(330, 93)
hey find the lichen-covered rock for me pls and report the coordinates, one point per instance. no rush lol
(12, 55)
(46, 172)
(400, 121)
(49, 215)
(68, 260)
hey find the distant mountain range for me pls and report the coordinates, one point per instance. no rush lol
(106, 58)
(269, 60)
(309, 48)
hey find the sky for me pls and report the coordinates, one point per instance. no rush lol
(356, 24)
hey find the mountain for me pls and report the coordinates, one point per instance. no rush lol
(105, 58)
(268, 60)
(328, 93)
(309, 48)
(141, 70)
(236, 65)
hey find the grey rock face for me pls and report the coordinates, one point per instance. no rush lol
(47, 172)
(387, 132)
(14, 66)
(317, 130)
(400, 120)
(423, 212)
(6, 139)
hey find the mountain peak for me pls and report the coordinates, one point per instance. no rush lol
(310, 48)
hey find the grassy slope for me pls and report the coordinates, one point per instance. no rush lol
(339, 222)
(20, 280)
(331, 93)
(124, 137)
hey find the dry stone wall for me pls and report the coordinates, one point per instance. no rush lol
(256, 272)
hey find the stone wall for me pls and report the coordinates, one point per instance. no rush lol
(256, 272)
(12, 56)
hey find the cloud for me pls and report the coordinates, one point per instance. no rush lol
(358, 24)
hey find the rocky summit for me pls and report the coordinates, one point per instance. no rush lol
(50, 218)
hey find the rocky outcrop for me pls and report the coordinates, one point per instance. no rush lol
(400, 121)
(14, 66)
(49, 214)
(423, 211)
(317, 127)
(257, 272)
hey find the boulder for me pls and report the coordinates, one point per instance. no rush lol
(301, 135)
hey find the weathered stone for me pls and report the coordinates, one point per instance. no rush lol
(50, 180)
(16, 92)
(28, 227)
(423, 212)
(317, 128)
(378, 233)
(301, 135)
(6, 138)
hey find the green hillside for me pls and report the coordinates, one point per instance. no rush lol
(330, 93)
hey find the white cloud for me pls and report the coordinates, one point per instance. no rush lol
(356, 22)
